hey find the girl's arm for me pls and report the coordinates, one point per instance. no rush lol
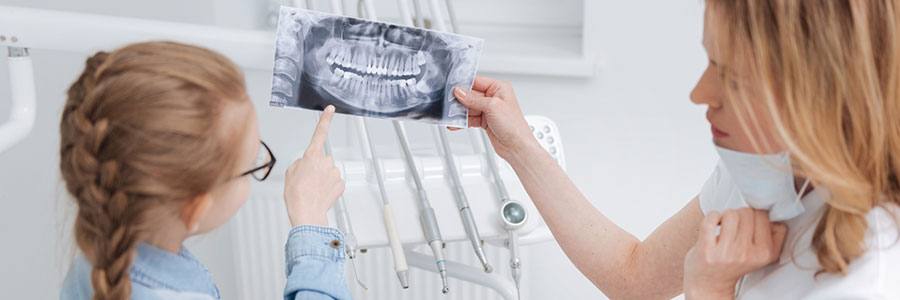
(615, 261)
(314, 254)
(314, 262)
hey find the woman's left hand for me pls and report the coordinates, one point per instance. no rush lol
(747, 241)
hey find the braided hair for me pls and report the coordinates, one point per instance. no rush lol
(142, 134)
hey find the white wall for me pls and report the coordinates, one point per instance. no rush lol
(635, 144)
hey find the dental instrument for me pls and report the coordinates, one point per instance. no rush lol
(340, 206)
(461, 201)
(419, 20)
(426, 213)
(22, 96)
(437, 18)
(452, 13)
(390, 224)
(343, 223)
(512, 214)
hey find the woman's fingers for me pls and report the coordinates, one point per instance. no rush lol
(482, 84)
(762, 233)
(708, 228)
(746, 228)
(730, 223)
(476, 102)
(779, 232)
(472, 100)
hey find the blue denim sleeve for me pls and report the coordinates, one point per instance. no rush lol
(315, 264)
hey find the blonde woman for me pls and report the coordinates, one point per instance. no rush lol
(804, 103)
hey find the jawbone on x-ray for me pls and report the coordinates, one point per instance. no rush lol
(370, 68)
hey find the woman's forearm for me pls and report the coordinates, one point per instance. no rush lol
(616, 262)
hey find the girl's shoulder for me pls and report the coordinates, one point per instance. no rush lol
(154, 275)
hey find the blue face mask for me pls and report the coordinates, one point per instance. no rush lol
(760, 181)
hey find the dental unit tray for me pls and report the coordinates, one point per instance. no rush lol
(364, 203)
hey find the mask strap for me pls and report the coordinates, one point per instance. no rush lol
(802, 190)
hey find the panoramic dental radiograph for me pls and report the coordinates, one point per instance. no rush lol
(370, 68)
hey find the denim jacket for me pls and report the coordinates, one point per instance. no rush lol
(314, 257)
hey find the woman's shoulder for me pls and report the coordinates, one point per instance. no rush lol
(883, 228)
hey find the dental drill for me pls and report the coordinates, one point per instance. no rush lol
(390, 225)
(340, 206)
(461, 201)
(343, 223)
(512, 214)
(426, 213)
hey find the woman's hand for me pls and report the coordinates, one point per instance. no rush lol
(313, 183)
(493, 106)
(747, 241)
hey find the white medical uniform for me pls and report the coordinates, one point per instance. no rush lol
(874, 275)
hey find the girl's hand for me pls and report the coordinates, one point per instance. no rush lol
(747, 241)
(493, 106)
(313, 183)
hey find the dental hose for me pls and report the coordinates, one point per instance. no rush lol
(461, 201)
(390, 224)
(343, 223)
(426, 213)
(515, 263)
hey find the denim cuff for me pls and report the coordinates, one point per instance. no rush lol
(314, 242)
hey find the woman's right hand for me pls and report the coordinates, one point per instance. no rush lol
(313, 183)
(493, 106)
(746, 242)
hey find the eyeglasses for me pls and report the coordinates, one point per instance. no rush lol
(264, 160)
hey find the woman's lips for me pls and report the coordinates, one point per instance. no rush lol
(718, 134)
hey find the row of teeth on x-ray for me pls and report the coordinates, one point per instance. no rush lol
(382, 89)
(391, 65)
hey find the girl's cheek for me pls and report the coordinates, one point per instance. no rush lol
(243, 192)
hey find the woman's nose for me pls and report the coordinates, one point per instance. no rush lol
(708, 89)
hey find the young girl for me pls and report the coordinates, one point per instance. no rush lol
(158, 143)
(804, 102)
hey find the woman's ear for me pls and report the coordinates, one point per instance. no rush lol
(194, 212)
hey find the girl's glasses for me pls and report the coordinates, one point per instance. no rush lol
(264, 160)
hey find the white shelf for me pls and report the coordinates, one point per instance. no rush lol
(551, 46)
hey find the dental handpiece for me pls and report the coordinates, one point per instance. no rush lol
(343, 223)
(390, 224)
(512, 214)
(426, 213)
(461, 201)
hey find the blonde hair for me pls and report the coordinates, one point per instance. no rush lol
(141, 136)
(830, 72)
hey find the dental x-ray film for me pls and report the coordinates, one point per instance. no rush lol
(371, 69)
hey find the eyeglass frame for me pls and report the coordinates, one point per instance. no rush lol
(270, 165)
